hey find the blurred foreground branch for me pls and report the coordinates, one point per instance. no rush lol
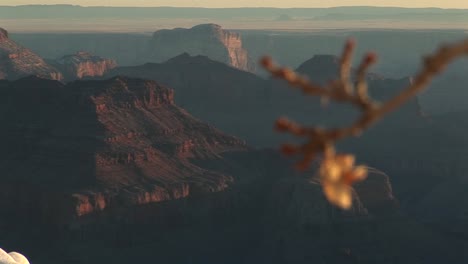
(337, 171)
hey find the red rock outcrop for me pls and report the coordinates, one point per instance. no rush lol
(17, 61)
(83, 64)
(207, 39)
(104, 144)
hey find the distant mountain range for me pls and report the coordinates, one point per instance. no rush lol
(67, 18)
(358, 12)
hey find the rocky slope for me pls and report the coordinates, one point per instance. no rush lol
(17, 61)
(83, 65)
(103, 144)
(206, 39)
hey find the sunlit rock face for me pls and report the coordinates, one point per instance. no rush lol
(83, 65)
(17, 61)
(207, 39)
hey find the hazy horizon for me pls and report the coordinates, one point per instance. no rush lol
(449, 4)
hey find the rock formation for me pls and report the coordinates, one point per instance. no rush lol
(83, 65)
(17, 61)
(207, 39)
(91, 145)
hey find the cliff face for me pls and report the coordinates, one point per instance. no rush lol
(3, 34)
(103, 144)
(238, 56)
(208, 39)
(83, 64)
(17, 61)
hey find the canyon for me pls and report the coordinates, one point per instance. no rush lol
(152, 145)
(94, 145)
(88, 158)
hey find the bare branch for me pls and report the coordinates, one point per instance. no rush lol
(321, 141)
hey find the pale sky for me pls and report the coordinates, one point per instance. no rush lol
(250, 3)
